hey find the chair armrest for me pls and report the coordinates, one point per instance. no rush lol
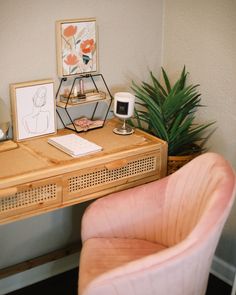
(125, 214)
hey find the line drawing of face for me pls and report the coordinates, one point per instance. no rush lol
(39, 98)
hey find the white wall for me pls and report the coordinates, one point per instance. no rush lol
(202, 35)
(130, 34)
(130, 40)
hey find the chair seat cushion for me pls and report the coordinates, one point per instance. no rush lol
(100, 255)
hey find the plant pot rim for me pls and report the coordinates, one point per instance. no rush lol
(184, 157)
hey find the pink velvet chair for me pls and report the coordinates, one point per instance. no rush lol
(158, 238)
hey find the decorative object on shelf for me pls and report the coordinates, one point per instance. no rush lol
(86, 124)
(76, 46)
(5, 143)
(81, 86)
(77, 95)
(123, 109)
(4, 130)
(4, 121)
(33, 109)
(71, 100)
(88, 96)
(168, 112)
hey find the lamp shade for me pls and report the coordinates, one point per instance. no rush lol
(124, 105)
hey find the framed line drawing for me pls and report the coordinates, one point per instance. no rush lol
(33, 109)
(77, 49)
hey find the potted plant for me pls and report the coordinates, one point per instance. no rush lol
(168, 112)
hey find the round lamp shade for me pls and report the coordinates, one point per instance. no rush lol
(124, 105)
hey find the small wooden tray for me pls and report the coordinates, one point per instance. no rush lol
(89, 97)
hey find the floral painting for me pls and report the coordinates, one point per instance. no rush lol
(77, 48)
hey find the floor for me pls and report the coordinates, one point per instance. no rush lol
(66, 284)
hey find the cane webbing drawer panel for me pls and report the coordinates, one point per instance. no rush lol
(102, 177)
(30, 197)
(36, 177)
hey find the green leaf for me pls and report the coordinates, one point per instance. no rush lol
(73, 69)
(158, 85)
(169, 112)
(166, 79)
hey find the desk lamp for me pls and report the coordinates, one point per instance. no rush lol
(123, 109)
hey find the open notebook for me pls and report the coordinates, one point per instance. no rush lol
(74, 145)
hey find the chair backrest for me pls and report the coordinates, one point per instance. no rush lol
(199, 195)
(167, 210)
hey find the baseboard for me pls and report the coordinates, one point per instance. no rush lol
(38, 273)
(223, 270)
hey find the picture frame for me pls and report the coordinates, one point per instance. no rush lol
(77, 47)
(33, 109)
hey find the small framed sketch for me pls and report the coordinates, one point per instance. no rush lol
(33, 109)
(76, 46)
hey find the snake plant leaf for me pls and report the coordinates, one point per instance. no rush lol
(182, 79)
(166, 79)
(158, 85)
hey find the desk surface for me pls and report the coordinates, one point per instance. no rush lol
(35, 158)
(36, 177)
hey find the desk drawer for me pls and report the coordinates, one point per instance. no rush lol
(111, 174)
(24, 199)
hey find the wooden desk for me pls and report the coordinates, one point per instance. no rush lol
(36, 177)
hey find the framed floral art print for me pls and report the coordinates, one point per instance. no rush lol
(76, 46)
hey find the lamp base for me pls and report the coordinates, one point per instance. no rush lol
(123, 130)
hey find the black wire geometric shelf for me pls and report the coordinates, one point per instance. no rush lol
(74, 98)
